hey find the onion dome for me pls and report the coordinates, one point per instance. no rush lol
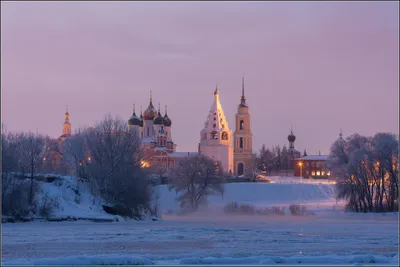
(134, 120)
(291, 137)
(150, 113)
(141, 118)
(167, 120)
(158, 120)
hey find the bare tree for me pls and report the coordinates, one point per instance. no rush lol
(194, 179)
(31, 151)
(9, 159)
(114, 169)
(75, 154)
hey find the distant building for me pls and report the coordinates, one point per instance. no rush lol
(216, 137)
(312, 166)
(244, 160)
(66, 127)
(155, 132)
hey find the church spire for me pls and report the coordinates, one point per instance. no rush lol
(66, 128)
(243, 87)
(243, 98)
(66, 120)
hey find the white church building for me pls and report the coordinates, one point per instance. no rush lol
(216, 137)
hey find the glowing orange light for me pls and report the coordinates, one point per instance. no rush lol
(300, 163)
(144, 164)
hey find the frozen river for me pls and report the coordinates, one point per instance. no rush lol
(212, 239)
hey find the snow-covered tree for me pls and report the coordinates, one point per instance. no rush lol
(196, 178)
(366, 169)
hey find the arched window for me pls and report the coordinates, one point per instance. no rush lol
(224, 136)
(241, 142)
(214, 135)
(241, 125)
(240, 169)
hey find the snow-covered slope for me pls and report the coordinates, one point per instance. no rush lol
(73, 198)
(259, 194)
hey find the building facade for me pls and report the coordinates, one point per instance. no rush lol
(312, 166)
(244, 160)
(158, 150)
(216, 137)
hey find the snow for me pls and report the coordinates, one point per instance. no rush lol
(75, 199)
(259, 194)
(331, 236)
(218, 240)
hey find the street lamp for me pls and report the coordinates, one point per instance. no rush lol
(301, 168)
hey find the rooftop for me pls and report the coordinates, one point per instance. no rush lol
(182, 154)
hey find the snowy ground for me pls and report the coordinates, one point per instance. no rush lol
(331, 236)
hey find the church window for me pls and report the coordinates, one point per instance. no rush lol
(224, 136)
(241, 142)
(214, 135)
(241, 125)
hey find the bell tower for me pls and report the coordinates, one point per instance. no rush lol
(66, 128)
(243, 139)
(216, 137)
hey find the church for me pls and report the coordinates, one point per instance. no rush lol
(234, 149)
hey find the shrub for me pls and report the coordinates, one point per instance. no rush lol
(278, 210)
(231, 207)
(16, 198)
(247, 209)
(47, 206)
(296, 209)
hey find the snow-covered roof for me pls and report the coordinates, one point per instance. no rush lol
(216, 116)
(182, 154)
(146, 139)
(314, 157)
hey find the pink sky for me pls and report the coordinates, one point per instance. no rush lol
(317, 66)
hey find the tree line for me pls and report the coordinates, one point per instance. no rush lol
(275, 158)
(108, 157)
(367, 171)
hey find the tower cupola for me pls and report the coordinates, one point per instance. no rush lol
(167, 120)
(150, 113)
(134, 120)
(158, 120)
(141, 117)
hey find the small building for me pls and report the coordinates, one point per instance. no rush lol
(312, 166)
